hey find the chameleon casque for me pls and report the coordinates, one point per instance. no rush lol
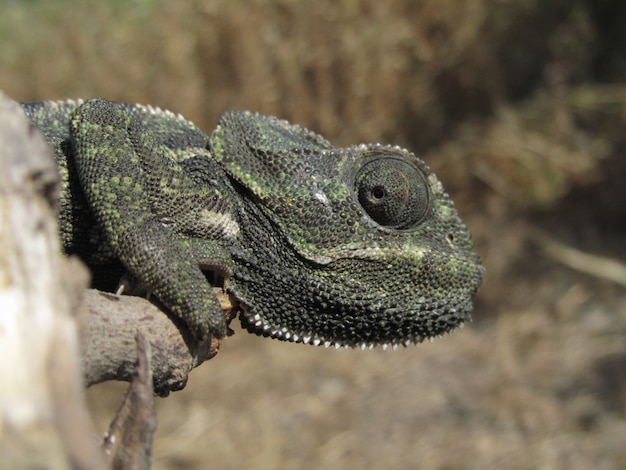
(356, 246)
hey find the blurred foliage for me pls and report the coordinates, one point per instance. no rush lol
(465, 75)
(515, 104)
(520, 108)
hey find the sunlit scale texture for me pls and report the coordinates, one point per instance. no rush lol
(354, 246)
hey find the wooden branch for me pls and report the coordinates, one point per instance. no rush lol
(43, 413)
(588, 263)
(47, 315)
(108, 341)
(128, 444)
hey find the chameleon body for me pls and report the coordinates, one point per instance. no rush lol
(356, 246)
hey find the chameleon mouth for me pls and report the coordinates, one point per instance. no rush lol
(255, 323)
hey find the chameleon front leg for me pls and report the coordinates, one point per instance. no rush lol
(115, 177)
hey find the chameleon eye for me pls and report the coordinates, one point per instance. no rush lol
(392, 192)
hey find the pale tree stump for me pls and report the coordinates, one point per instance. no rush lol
(56, 337)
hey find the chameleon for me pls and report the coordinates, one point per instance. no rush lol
(357, 246)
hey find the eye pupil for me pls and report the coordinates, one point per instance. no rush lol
(393, 192)
(378, 193)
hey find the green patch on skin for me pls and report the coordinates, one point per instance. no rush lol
(355, 246)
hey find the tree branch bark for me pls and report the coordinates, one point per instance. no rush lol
(56, 337)
(108, 341)
(43, 413)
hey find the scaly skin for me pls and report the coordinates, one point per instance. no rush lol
(354, 246)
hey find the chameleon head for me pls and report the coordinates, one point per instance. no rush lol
(356, 246)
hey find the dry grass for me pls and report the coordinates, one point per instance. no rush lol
(354, 70)
(519, 107)
(541, 387)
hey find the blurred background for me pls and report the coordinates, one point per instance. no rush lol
(518, 106)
